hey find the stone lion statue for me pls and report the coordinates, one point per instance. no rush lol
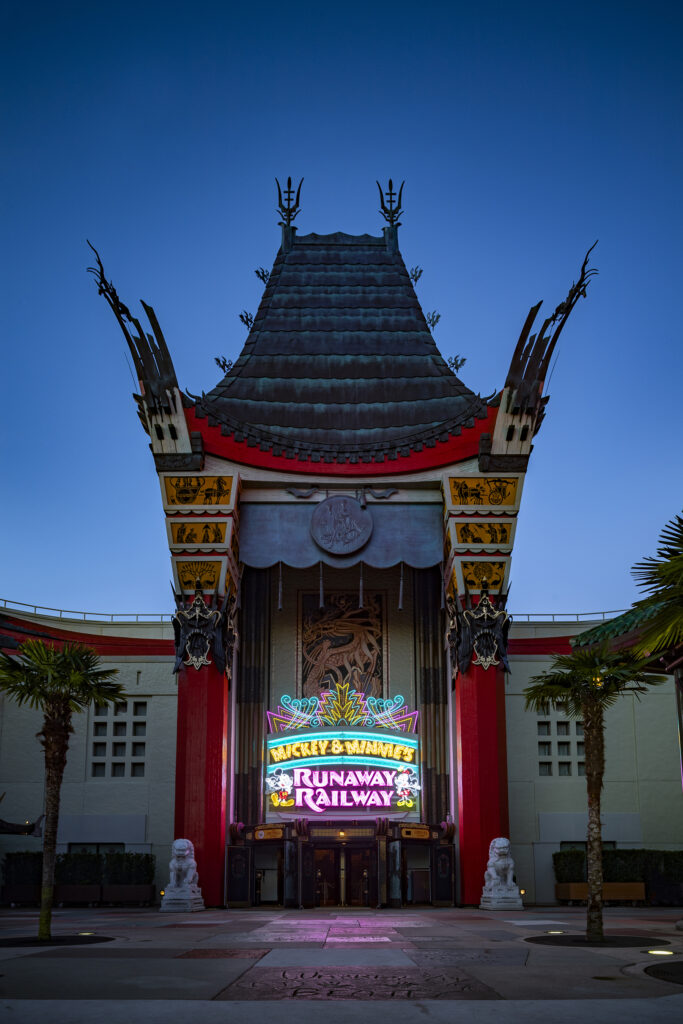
(183, 866)
(500, 868)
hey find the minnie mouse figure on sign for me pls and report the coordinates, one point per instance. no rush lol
(407, 787)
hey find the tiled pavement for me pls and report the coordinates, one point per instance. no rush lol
(443, 965)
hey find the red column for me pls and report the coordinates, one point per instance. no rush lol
(482, 772)
(201, 773)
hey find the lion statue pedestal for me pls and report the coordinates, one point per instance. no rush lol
(182, 894)
(500, 891)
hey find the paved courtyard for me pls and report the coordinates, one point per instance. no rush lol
(441, 965)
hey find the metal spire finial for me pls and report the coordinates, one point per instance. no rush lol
(390, 206)
(288, 210)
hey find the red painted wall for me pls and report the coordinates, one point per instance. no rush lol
(201, 773)
(481, 771)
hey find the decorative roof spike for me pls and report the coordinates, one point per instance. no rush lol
(288, 209)
(390, 206)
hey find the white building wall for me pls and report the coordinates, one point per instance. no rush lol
(642, 803)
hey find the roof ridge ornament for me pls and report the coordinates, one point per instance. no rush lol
(390, 206)
(288, 210)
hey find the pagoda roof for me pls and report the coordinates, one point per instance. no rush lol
(340, 362)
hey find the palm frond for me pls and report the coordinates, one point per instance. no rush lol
(666, 570)
(44, 676)
(589, 675)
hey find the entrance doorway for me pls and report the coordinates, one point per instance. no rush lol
(345, 876)
(327, 887)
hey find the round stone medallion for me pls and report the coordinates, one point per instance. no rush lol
(340, 526)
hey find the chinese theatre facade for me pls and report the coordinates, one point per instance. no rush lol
(340, 511)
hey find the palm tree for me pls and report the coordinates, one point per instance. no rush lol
(59, 682)
(583, 685)
(661, 579)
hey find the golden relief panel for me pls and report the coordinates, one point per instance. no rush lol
(342, 643)
(474, 572)
(483, 533)
(208, 574)
(483, 490)
(198, 490)
(198, 533)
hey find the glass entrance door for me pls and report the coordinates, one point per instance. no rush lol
(361, 876)
(327, 887)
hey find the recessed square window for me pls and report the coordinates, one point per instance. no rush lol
(543, 728)
(119, 750)
(99, 729)
(99, 750)
(118, 769)
(137, 770)
(122, 709)
(545, 768)
(140, 708)
(564, 749)
(579, 728)
(98, 771)
(581, 768)
(545, 749)
(101, 710)
(119, 728)
(563, 728)
(580, 749)
(564, 768)
(139, 729)
(138, 750)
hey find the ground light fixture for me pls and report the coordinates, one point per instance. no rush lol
(660, 952)
(86, 933)
(555, 931)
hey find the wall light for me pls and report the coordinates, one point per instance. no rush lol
(342, 833)
(522, 892)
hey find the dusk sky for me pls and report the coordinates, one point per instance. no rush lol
(524, 132)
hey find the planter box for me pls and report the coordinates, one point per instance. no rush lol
(128, 893)
(69, 893)
(21, 893)
(629, 891)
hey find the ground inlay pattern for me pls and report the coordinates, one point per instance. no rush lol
(355, 983)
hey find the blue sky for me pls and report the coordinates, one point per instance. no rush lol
(524, 132)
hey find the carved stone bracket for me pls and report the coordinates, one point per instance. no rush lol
(478, 635)
(200, 630)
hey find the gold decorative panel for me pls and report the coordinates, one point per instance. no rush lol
(198, 490)
(208, 574)
(198, 533)
(482, 490)
(342, 643)
(483, 533)
(474, 572)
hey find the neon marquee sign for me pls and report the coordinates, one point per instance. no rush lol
(343, 753)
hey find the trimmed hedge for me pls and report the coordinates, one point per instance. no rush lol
(622, 866)
(128, 868)
(24, 867)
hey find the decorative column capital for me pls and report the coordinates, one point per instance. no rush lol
(477, 636)
(200, 630)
